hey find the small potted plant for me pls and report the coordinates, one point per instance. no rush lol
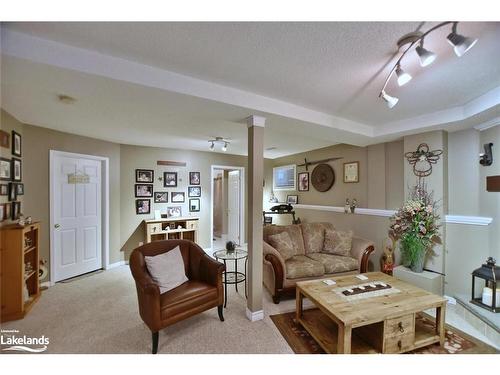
(230, 246)
(416, 226)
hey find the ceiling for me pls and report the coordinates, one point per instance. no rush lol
(316, 83)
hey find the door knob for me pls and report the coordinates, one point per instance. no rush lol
(56, 226)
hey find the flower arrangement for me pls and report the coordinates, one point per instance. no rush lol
(416, 225)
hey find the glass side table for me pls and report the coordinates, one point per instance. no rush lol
(233, 277)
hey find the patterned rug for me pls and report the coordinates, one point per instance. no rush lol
(456, 342)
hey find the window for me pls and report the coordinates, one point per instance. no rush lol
(284, 177)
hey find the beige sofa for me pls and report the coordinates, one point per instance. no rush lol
(310, 262)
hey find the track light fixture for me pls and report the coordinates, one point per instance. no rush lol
(219, 140)
(460, 43)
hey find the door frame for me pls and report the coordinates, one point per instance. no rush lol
(104, 206)
(242, 200)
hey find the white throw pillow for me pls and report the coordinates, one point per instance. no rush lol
(167, 269)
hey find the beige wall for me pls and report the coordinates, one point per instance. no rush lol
(8, 124)
(133, 157)
(37, 144)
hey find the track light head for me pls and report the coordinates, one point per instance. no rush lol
(460, 43)
(212, 146)
(426, 57)
(224, 147)
(390, 100)
(403, 77)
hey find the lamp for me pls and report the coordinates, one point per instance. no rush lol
(426, 57)
(219, 140)
(224, 148)
(460, 43)
(390, 100)
(403, 77)
(490, 298)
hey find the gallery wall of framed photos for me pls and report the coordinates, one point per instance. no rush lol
(11, 171)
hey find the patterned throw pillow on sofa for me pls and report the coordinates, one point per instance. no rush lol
(283, 243)
(338, 242)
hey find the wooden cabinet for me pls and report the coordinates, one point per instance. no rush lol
(19, 256)
(174, 228)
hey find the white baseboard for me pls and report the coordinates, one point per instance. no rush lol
(114, 265)
(253, 316)
(47, 284)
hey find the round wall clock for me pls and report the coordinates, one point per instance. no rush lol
(323, 177)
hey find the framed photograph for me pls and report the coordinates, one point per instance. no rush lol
(4, 189)
(292, 199)
(174, 211)
(194, 178)
(2, 212)
(5, 169)
(12, 192)
(284, 178)
(194, 191)
(143, 191)
(4, 139)
(144, 175)
(161, 196)
(142, 206)
(177, 197)
(17, 171)
(170, 179)
(268, 220)
(16, 144)
(303, 182)
(16, 210)
(7, 209)
(20, 189)
(194, 205)
(351, 172)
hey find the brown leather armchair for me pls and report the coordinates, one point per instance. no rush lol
(201, 292)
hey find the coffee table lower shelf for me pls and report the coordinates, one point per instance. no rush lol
(325, 332)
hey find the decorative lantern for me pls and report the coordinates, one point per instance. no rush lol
(490, 298)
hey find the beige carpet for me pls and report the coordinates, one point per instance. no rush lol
(99, 314)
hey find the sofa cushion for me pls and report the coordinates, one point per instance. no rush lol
(338, 242)
(294, 231)
(283, 243)
(167, 269)
(314, 236)
(335, 263)
(302, 266)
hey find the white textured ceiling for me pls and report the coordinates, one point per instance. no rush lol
(333, 67)
(316, 83)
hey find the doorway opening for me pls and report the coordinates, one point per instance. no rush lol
(227, 206)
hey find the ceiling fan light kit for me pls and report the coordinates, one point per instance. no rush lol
(461, 44)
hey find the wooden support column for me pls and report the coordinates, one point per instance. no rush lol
(254, 215)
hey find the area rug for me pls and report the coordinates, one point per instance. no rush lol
(456, 342)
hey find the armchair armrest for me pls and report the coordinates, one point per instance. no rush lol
(211, 271)
(272, 256)
(361, 250)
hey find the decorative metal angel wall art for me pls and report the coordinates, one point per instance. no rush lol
(422, 160)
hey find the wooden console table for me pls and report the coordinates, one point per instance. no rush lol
(178, 228)
(383, 323)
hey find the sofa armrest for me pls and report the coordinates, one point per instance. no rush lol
(361, 250)
(272, 256)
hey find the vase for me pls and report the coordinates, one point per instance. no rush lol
(413, 253)
(417, 265)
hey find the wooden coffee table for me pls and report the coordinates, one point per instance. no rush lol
(381, 318)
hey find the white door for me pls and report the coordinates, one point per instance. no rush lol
(76, 216)
(233, 207)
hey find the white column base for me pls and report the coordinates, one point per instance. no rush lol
(253, 316)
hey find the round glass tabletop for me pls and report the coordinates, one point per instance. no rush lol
(236, 254)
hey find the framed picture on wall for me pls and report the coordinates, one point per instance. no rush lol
(161, 196)
(2, 212)
(144, 175)
(20, 189)
(143, 190)
(12, 192)
(194, 178)
(170, 179)
(351, 172)
(17, 172)
(4, 189)
(4, 139)
(7, 208)
(16, 210)
(194, 205)
(16, 144)
(194, 191)
(5, 169)
(177, 197)
(174, 211)
(303, 178)
(142, 206)
(284, 178)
